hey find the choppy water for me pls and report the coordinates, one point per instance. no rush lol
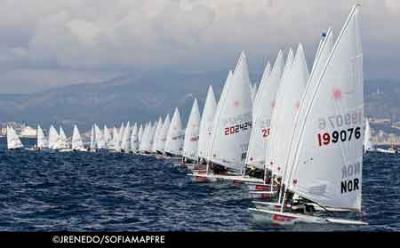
(122, 192)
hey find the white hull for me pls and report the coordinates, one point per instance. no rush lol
(261, 194)
(284, 218)
(276, 205)
(381, 150)
(259, 186)
(65, 150)
(202, 178)
(232, 178)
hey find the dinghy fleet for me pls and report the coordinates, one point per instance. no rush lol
(296, 141)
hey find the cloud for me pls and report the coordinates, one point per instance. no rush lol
(186, 34)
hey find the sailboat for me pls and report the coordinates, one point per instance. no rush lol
(368, 146)
(92, 144)
(191, 140)
(287, 105)
(134, 147)
(269, 188)
(152, 136)
(323, 51)
(200, 174)
(157, 133)
(41, 141)
(263, 106)
(120, 134)
(325, 157)
(115, 143)
(77, 143)
(53, 138)
(13, 141)
(232, 127)
(107, 137)
(287, 102)
(63, 142)
(144, 144)
(206, 125)
(125, 138)
(162, 137)
(175, 135)
(140, 133)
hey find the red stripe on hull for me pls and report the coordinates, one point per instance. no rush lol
(282, 218)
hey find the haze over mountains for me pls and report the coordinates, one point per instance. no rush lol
(131, 97)
(146, 96)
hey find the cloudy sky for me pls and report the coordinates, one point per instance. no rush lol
(53, 43)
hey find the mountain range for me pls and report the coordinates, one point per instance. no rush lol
(146, 96)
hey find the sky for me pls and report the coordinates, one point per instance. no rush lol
(46, 44)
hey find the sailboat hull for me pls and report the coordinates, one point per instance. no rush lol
(284, 218)
(202, 178)
(262, 194)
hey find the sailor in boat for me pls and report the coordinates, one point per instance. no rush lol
(255, 172)
(200, 165)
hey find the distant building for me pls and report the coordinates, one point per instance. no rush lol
(3, 131)
(28, 132)
(380, 120)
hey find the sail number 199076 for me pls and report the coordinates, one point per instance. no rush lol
(336, 136)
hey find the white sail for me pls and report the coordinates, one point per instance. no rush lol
(53, 138)
(368, 146)
(125, 138)
(99, 138)
(191, 140)
(262, 86)
(157, 133)
(152, 136)
(115, 141)
(145, 144)
(233, 120)
(206, 124)
(323, 52)
(77, 143)
(120, 134)
(107, 136)
(174, 142)
(92, 144)
(253, 90)
(162, 137)
(328, 159)
(140, 133)
(134, 139)
(13, 141)
(287, 104)
(42, 142)
(63, 141)
(262, 113)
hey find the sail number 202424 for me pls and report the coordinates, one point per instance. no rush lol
(237, 128)
(336, 136)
